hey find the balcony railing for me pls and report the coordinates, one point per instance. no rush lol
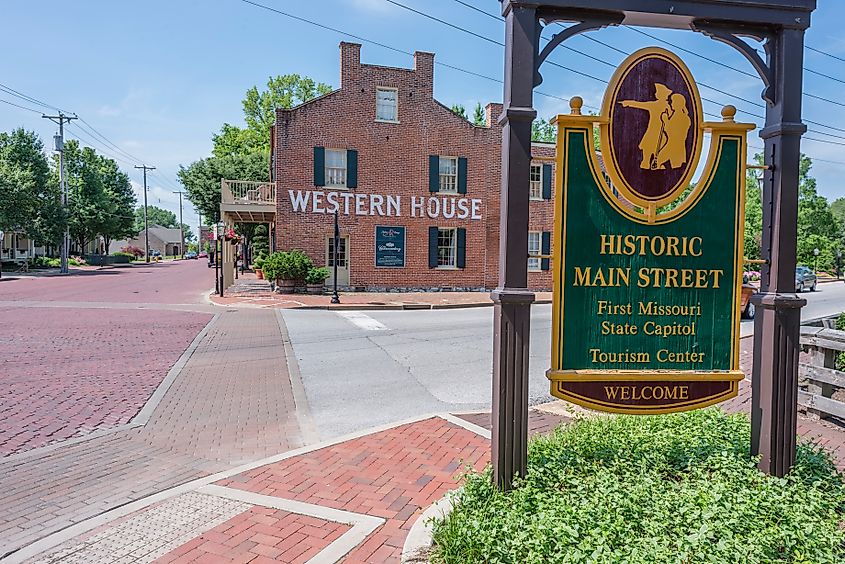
(247, 192)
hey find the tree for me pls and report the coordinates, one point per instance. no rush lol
(285, 91)
(460, 111)
(30, 201)
(233, 140)
(155, 216)
(542, 131)
(479, 118)
(119, 220)
(201, 178)
(753, 232)
(87, 201)
(817, 227)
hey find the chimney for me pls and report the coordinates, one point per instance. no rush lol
(492, 111)
(424, 71)
(350, 63)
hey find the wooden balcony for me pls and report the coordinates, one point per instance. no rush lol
(244, 201)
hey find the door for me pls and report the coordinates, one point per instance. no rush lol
(342, 261)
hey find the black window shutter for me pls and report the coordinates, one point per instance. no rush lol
(461, 261)
(434, 173)
(462, 175)
(432, 247)
(545, 249)
(351, 168)
(547, 182)
(319, 166)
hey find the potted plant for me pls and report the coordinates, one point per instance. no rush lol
(315, 279)
(300, 264)
(258, 266)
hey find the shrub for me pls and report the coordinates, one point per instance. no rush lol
(76, 261)
(123, 254)
(287, 265)
(317, 275)
(650, 489)
(300, 264)
(137, 252)
(259, 262)
(46, 262)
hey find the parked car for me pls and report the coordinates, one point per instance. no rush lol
(805, 278)
(745, 306)
(155, 253)
(191, 255)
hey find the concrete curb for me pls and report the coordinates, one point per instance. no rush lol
(379, 307)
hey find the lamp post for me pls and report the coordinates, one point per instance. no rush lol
(335, 297)
(816, 263)
(2, 242)
(838, 263)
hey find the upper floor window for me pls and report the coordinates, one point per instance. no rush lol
(336, 167)
(387, 104)
(534, 249)
(535, 184)
(449, 175)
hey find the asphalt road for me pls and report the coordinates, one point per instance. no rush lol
(361, 369)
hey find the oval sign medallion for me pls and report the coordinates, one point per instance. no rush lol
(653, 138)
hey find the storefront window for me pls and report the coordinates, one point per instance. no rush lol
(449, 175)
(447, 242)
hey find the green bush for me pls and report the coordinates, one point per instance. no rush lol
(259, 262)
(317, 275)
(123, 254)
(840, 358)
(678, 488)
(287, 265)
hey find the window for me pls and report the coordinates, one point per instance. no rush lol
(336, 168)
(449, 175)
(341, 252)
(533, 249)
(447, 245)
(386, 104)
(535, 183)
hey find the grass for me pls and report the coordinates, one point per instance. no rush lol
(678, 488)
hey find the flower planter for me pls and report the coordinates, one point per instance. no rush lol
(259, 274)
(285, 286)
(314, 288)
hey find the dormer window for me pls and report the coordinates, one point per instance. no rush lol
(387, 104)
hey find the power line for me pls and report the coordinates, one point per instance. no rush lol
(19, 106)
(820, 52)
(389, 47)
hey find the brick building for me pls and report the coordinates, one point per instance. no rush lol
(416, 187)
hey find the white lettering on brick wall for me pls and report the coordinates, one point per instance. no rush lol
(347, 203)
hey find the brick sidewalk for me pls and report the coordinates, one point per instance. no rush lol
(232, 402)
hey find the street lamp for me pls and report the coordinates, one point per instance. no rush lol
(816, 263)
(2, 242)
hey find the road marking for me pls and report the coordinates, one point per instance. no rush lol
(362, 320)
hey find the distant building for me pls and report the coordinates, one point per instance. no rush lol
(166, 240)
(416, 187)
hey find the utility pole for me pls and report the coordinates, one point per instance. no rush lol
(181, 230)
(59, 146)
(146, 227)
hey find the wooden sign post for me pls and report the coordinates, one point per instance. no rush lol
(647, 266)
(750, 27)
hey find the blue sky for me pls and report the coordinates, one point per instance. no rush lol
(157, 78)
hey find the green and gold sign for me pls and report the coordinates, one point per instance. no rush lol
(648, 264)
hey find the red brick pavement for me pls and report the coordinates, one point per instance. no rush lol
(231, 403)
(257, 536)
(173, 282)
(393, 474)
(65, 373)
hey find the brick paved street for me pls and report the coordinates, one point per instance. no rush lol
(66, 373)
(91, 364)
